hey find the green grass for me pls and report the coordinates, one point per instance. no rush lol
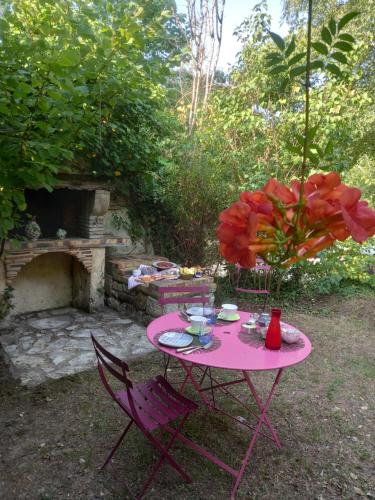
(318, 410)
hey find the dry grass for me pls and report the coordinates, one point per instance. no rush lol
(54, 437)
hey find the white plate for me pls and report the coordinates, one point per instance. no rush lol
(175, 339)
(198, 311)
(155, 264)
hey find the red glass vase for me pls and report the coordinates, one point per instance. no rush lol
(273, 337)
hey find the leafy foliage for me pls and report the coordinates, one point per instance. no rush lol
(78, 78)
(6, 305)
(250, 127)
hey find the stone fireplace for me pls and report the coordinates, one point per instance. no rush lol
(51, 272)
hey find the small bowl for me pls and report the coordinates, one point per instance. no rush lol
(248, 327)
(290, 335)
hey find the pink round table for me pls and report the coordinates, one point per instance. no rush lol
(233, 353)
(238, 352)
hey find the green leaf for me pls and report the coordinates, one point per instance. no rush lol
(4, 109)
(296, 58)
(278, 40)
(328, 151)
(345, 46)
(278, 69)
(321, 48)
(291, 47)
(335, 70)
(274, 60)
(340, 57)
(348, 17)
(312, 132)
(314, 158)
(332, 27)
(68, 58)
(315, 149)
(326, 35)
(298, 70)
(284, 84)
(316, 64)
(347, 38)
(294, 149)
(300, 139)
(270, 55)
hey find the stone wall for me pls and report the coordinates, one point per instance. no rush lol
(115, 221)
(91, 221)
(141, 302)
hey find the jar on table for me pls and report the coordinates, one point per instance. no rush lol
(263, 322)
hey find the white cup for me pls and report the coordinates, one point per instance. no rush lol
(198, 323)
(228, 310)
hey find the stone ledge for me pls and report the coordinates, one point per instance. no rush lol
(105, 241)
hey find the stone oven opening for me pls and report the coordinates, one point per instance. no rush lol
(51, 280)
(79, 212)
(61, 208)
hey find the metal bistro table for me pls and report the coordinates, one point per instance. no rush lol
(231, 350)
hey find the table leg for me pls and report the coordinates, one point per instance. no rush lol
(262, 419)
(260, 404)
(189, 376)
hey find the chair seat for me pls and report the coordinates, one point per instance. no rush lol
(156, 402)
(249, 290)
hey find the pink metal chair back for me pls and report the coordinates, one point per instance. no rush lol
(192, 295)
(149, 405)
(118, 370)
(200, 296)
(261, 275)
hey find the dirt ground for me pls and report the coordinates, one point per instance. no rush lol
(54, 437)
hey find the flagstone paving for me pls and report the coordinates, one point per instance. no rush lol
(55, 343)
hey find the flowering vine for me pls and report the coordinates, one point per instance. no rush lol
(286, 224)
(271, 223)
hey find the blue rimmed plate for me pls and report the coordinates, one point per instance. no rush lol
(175, 339)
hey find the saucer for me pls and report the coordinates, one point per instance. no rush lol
(230, 317)
(190, 330)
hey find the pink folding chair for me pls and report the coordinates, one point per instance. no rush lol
(150, 405)
(192, 295)
(261, 277)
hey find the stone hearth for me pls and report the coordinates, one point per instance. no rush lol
(51, 344)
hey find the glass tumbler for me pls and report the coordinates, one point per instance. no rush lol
(205, 335)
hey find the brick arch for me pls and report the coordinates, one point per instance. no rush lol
(15, 261)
